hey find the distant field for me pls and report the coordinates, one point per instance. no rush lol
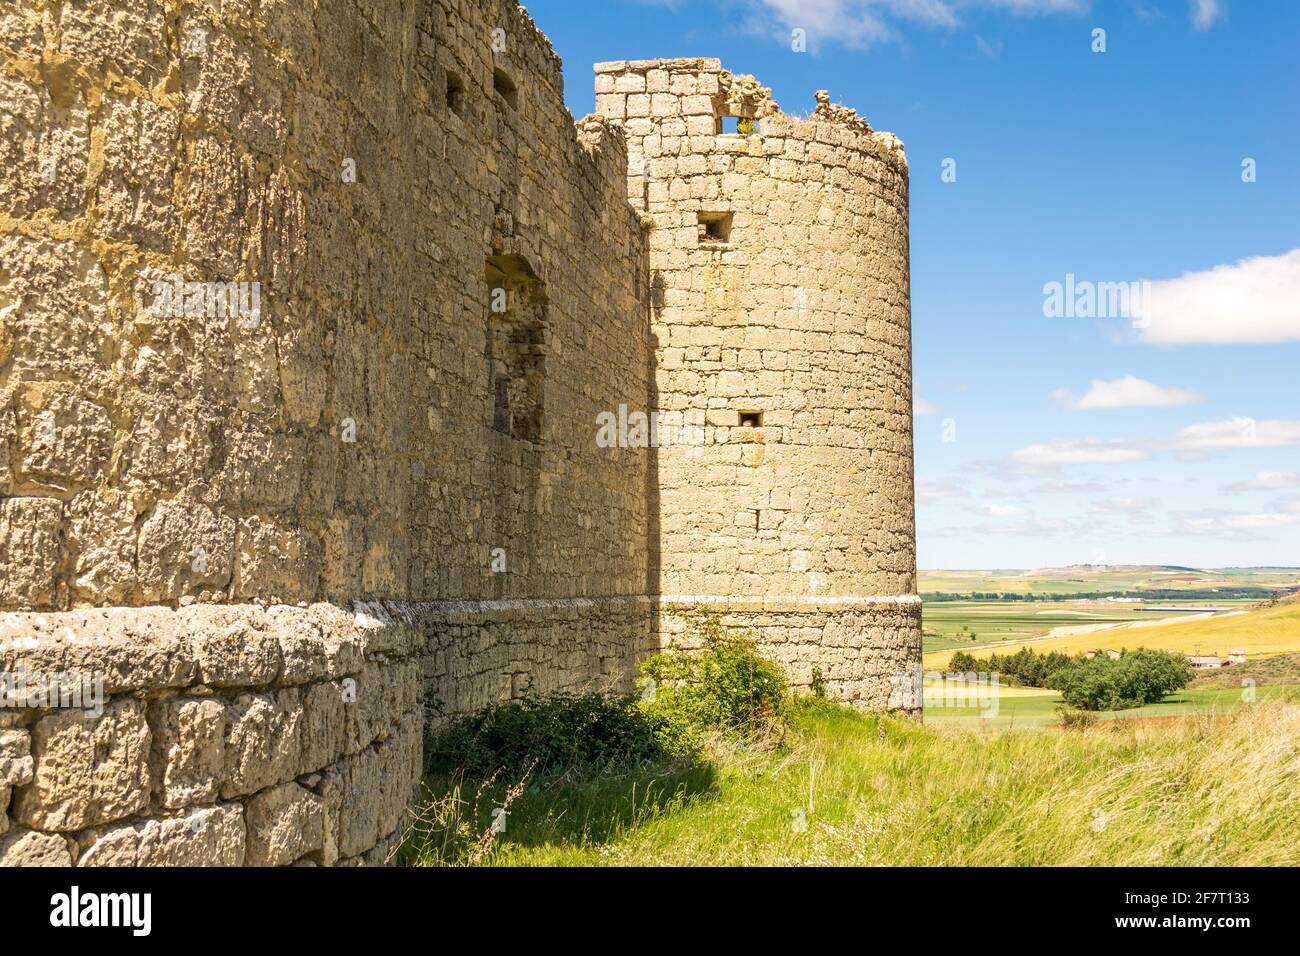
(1030, 708)
(949, 625)
(1086, 578)
(1262, 632)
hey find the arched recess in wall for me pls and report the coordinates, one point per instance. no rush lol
(516, 346)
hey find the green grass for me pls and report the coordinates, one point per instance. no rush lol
(845, 788)
(1039, 711)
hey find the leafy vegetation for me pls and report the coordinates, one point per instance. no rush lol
(1023, 667)
(1098, 683)
(479, 766)
(1131, 680)
(724, 687)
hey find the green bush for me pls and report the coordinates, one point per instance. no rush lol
(685, 695)
(562, 733)
(725, 686)
(1135, 678)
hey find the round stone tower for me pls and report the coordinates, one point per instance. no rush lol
(780, 304)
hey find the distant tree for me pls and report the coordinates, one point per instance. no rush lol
(1135, 678)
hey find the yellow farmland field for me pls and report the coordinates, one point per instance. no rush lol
(1262, 632)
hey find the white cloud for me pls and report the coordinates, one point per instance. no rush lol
(921, 407)
(859, 23)
(1231, 433)
(1122, 506)
(928, 489)
(1205, 13)
(1253, 301)
(1069, 488)
(1266, 481)
(1127, 392)
(1238, 525)
(1077, 451)
(1004, 511)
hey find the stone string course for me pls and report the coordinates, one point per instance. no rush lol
(287, 541)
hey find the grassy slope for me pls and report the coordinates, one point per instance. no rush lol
(1263, 632)
(1197, 790)
(1282, 669)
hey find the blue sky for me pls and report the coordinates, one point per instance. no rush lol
(1167, 434)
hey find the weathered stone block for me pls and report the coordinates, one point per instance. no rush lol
(16, 765)
(212, 836)
(88, 770)
(31, 542)
(262, 744)
(324, 725)
(188, 750)
(230, 651)
(133, 200)
(284, 824)
(29, 848)
(185, 547)
(65, 440)
(280, 562)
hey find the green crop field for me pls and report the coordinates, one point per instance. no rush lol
(1032, 709)
(952, 625)
(1109, 578)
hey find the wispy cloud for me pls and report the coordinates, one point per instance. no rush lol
(860, 23)
(1265, 481)
(1049, 456)
(1004, 511)
(1235, 525)
(928, 489)
(1127, 392)
(1233, 433)
(1193, 443)
(1254, 301)
(1122, 506)
(1205, 13)
(921, 407)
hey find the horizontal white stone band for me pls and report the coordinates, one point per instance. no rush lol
(381, 609)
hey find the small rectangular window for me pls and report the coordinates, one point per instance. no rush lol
(455, 93)
(735, 126)
(751, 419)
(505, 88)
(715, 227)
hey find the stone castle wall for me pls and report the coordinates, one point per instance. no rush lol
(308, 317)
(780, 291)
(374, 431)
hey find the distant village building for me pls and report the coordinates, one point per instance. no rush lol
(1206, 661)
(1237, 656)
